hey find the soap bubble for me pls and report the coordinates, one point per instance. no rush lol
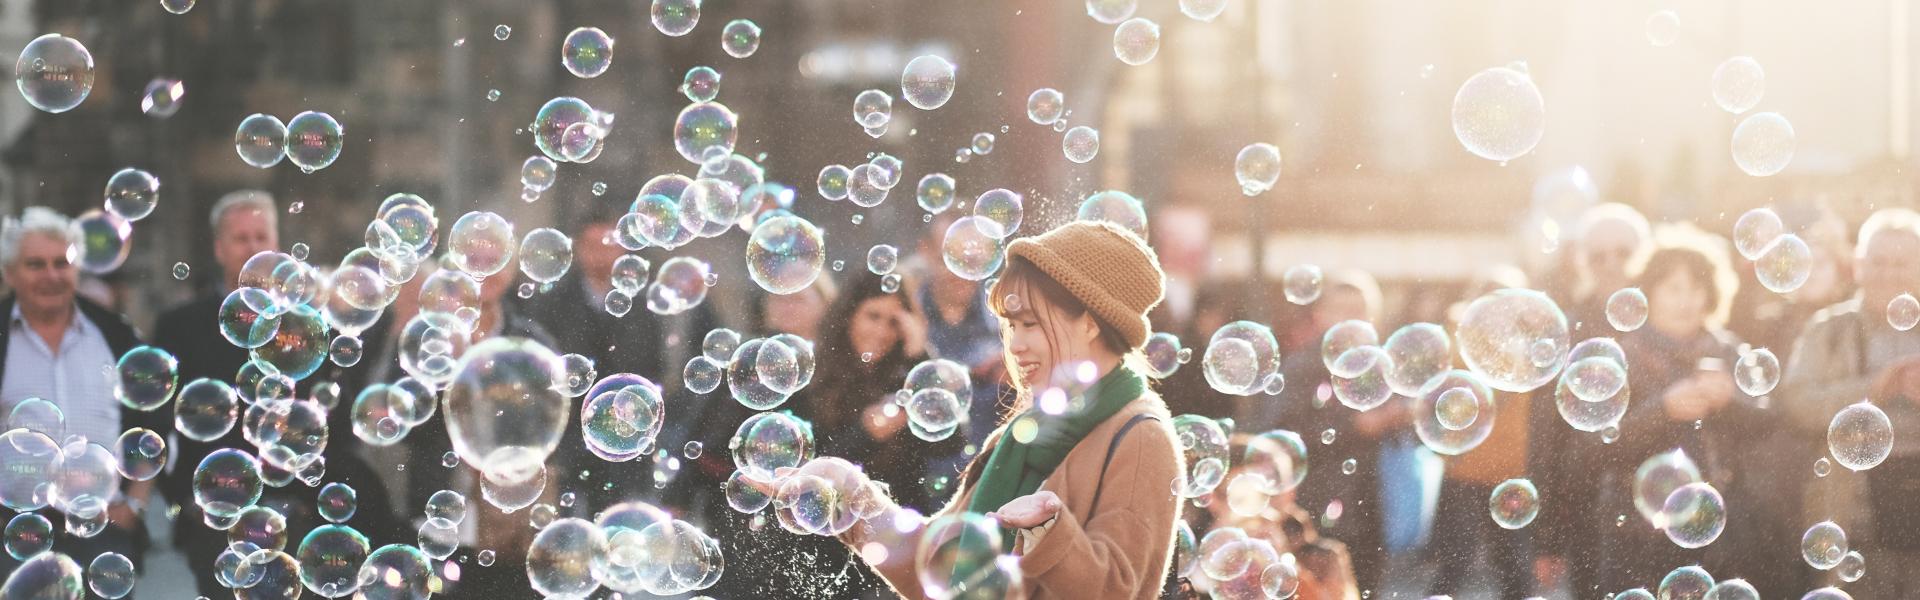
(935, 413)
(397, 572)
(1852, 566)
(1860, 436)
(545, 255)
(178, 7)
(882, 258)
(1001, 206)
(1163, 354)
(1823, 545)
(447, 504)
(145, 378)
(54, 73)
(1755, 231)
(1111, 11)
(833, 181)
(205, 410)
(33, 462)
(1763, 144)
(1360, 378)
(554, 120)
(330, 559)
(132, 194)
(587, 52)
(956, 554)
(480, 243)
(1045, 105)
(261, 140)
(1695, 515)
(1513, 338)
(1344, 336)
(1081, 144)
(379, 414)
(974, 248)
(162, 97)
(1117, 207)
(620, 425)
(1655, 481)
(537, 173)
(740, 38)
(1204, 11)
(1257, 167)
(766, 442)
(1757, 371)
(1240, 357)
(102, 241)
(567, 557)
(1663, 27)
(1827, 593)
(934, 193)
(1514, 504)
(872, 108)
(1595, 379)
(1733, 589)
(1136, 41)
(1206, 448)
(675, 17)
(784, 255)
(702, 84)
(336, 502)
(142, 453)
(1903, 312)
(1499, 115)
(705, 130)
(1738, 84)
(1455, 413)
(744, 378)
(300, 345)
(1689, 581)
(1302, 284)
(1627, 309)
(28, 534)
(512, 496)
(49, 575)
(1785, 265)
(1420, 352)
(927, 82)
(314, 140)
(1266, 452)
(864, 188)
(226, 482)
(506, 407)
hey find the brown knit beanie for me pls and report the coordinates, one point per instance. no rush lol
(1108, 268)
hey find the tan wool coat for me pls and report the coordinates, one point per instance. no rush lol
(1121, 552)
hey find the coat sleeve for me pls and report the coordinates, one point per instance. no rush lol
(1122, 550)
(1819, 379)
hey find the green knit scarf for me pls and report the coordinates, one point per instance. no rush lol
(1016, 469)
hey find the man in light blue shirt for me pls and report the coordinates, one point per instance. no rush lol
(62, 349)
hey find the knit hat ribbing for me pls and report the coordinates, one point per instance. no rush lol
(1106, 267)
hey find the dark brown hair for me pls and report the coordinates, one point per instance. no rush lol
(1022, 280)
(844, 386)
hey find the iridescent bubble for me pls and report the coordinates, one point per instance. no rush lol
(1860, 436)
(768, 441)
(1360, 380)
(1111, 11)
(935, 413)
(1257, 167)
(704, 130)
(872, 108)
(934, 194)
(1755, 231)
(145, 378)
(1268, 452)
(1695, 515)
(620, 425)
(702, 84)
(1001, 206)
(50, 575)
(1595, 379)
(330, 560)
(481, 243)
(142, 454)
(1738, 84)
(864, 187)
(398, 572)
(1301, 284)
(833, 181)
(982, 143)
(447, 504)
(1207, 454)
(1852, 566)
(275, 575)
(178, 7)
(1455, 413)
(226, 482)
(630, 273)
(1627, 309)
(1686, 583)
(956, 553)
(537, 173)
(1785, 265)
(1045, 105)
(1827, 593)
(587, 52)
(54, 73)
(1903, 312)
(438, 538)
(1204, 11)
(1342, 337)
(379, 414)
(1162, 351)
(740, 38)
(1081, 144)
(784, 254)
(28, 534)
(1136, 41)
(567, 557)
(336, 502)
(1420, 352)
(675, 17)
(551, 123)
(502, 32)
(1117, 207)
(1514, 504)
(1732, 589)
(1240, 356)
(314, 140)
(742, 496)
(261, 140)
(506, 407)
(1499, 115)
(299, 346)
(973, 248)
(132, 194)
(205, 410)
(1757, 371)
(1513, 338)
(1655, 481)
(1663, 27)
(1763, 144)
(927, 82)
(546, 255)
(102, 241)
(1823, 545)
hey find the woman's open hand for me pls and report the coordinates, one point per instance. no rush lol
(1029, 511)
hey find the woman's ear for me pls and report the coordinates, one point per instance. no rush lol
(1089, 327)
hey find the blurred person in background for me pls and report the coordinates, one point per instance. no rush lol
(1851, 352)
(55, 347)
(1216, 305)
(961, 328)
(1767, 319)
(1325, 569)
(1679, 371)
(1348, 504)
(1608, 238)
(1463, 528)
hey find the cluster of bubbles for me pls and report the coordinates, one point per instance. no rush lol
(936, 396)
(1242, 359)
(761, 373)
(310, 140)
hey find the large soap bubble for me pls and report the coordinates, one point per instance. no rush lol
(506, 407)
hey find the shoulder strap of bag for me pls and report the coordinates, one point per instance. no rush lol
(1111, 448)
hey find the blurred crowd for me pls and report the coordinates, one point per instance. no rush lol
(1374, 502)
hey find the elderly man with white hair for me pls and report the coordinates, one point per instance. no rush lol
(57, 347)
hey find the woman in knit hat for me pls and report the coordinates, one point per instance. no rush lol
(1080, 474)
